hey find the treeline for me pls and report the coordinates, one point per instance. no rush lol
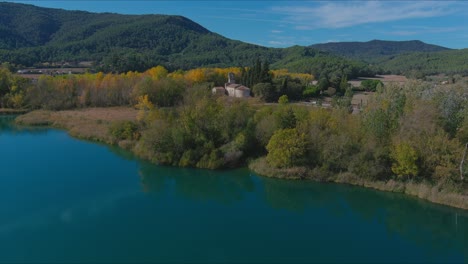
(417, 133)
(163, 88)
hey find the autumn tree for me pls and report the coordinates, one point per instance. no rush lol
(287, 148)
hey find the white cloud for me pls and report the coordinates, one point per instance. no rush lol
(411, 31)
(243, 18)
(347, 14)
(281, 43)
(276, 31)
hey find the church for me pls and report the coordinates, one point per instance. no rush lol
(231, 88)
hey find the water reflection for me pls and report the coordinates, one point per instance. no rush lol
(440, 228)
(6, 126)
(225, 187)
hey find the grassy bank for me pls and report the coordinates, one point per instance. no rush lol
(436, 194)
(88, 123)
(9, 111)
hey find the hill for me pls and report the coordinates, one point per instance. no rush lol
(411, 58)
(376, 50)
(419, 64)
(31, 35)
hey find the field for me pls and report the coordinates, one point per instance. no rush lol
(35, 73)
(386, 79)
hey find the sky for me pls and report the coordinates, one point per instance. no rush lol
(287, 23)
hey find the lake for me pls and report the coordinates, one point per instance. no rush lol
(68, 200)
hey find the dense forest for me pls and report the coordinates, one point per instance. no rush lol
(376, 50)
(414, 59)
(420, 64)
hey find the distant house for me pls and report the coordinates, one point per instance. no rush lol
(232, 89)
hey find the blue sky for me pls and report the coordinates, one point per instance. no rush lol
(287, 23)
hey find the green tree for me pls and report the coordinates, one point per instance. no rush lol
(265, 91)
(370, 85)
(285, 117)
(343, 85)
(287, 148)
(323, 83)
(5, 81)
(283, 100)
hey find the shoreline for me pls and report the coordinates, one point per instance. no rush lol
(421, 190)
(9, 111)
(94, 123)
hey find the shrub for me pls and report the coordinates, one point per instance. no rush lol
(311, 91)
(371, 85)
(123, 130)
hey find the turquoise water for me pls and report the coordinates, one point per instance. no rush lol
(66, 200)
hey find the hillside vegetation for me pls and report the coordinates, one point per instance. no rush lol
(376, 50)
(414, 58)
(31, 35)
(420, 64)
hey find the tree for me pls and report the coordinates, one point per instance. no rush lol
(286, 148)
(405, 158)
(311, 91)
(5, 81)
(285, 117)
(265, 91)
(343, 85)
(258, 73)
(323, 83)
(370, 85)
(157, 72)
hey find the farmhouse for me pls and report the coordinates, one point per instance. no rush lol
(232, 89)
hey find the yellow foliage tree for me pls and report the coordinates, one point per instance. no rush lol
(304, 77)
(145, 106)
(405, 158)
(287, 148)
(157, 73)
(196, 76)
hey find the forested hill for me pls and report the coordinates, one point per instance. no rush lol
(30, 35)
(375, 50)
(419, 64)
(30, 26)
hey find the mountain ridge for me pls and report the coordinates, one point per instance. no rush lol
(374, 50)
